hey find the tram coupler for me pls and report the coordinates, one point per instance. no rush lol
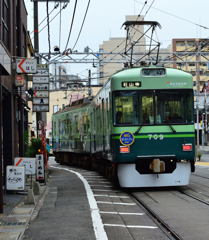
(157, 166)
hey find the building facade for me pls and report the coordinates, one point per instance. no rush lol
(13, 44)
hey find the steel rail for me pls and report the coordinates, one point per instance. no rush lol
(156, 219)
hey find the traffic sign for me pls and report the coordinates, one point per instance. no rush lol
(26, 65)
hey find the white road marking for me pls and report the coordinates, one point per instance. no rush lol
(120, 203)
(96, 217)
(103, 190)
(100, 185)
(121, 213)
(129, 226)
(98, 195)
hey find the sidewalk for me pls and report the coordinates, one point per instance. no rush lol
(17, 213)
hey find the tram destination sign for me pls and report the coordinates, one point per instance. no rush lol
(131, 84)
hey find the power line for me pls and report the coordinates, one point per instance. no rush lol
(53, 18)
(71, 25)
(55, 7)
(82, 25)
(47, 12)
(175, 16)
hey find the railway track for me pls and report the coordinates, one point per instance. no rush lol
(192, 196)
(169, 232)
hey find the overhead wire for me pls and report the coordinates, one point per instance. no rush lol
(60, 26)
(82, 24)
(47, 12)
(55, 7)
(71, 25)
(175, 16)
(64, 6)
(133, 34)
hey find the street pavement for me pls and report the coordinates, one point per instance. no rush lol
(204, 150)
(70, 219)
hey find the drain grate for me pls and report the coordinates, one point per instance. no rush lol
(12, 223)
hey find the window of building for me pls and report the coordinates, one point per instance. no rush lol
(101, 75)
(24, 43)
(55, 108)
(5, 23)
(101, 50)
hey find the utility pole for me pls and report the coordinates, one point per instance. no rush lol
(1, 175)
(197, 70)
(36, 47)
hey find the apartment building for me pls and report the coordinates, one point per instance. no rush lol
(192, 56)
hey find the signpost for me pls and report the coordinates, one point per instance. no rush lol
(41, 87)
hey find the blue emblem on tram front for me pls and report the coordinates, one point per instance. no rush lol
(126, 138)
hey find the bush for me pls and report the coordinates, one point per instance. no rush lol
(34, 146)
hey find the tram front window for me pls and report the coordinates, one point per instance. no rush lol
(147, 107)
(174, 107)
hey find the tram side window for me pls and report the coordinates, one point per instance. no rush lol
(87, 123)
(84, 124)
(76, 124)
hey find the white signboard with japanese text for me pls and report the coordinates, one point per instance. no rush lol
(28, 163)
(42, 72)
(26, 65)
(15, 179)
(40, 167)
(38, 94)
(40, 79)
(39, 108)
(40, 86)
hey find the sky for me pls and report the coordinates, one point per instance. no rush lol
(178, 19)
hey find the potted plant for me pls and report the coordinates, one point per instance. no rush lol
(199, 155)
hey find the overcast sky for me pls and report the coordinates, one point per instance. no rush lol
(178, 18)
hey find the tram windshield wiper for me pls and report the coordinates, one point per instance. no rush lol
(172, 128)
(137, 131)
